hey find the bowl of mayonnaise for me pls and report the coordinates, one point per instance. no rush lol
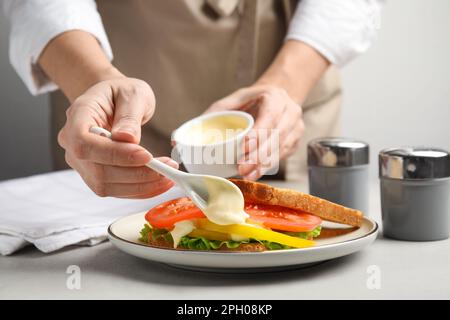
(212, 143)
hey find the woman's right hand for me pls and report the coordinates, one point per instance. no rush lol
(113, 167)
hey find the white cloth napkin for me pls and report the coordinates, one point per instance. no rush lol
(57, 209)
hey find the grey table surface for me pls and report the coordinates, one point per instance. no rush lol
(406, 270)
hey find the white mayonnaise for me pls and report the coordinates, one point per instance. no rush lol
(216, 129)
(225, 204)
(180, 230)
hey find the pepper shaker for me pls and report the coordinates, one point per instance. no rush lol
(415, 193)
(338, 170)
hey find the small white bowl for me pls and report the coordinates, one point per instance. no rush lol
(212, 143)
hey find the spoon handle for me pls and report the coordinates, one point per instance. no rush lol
(165, 170)
(154, 164)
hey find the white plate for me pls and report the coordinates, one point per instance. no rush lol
(124, 234)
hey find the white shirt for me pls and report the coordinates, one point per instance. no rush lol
(338, 29)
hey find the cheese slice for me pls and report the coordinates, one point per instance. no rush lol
(180, 230)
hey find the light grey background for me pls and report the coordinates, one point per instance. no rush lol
(398, 93)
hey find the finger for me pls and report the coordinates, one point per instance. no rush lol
(254, 149)
(290, 120)
(271, 108)
(269, 114)
(251, 168)
(245, 169)
(80, 117)
(286, 124)
(97, 178)
(271, 151)
(253, 175)
(168, 161)
(134, 189)
(247, 164)
(101, 150)
(152, 194)
(250, 142)
(77, 140)
(260, 151)
(257, 173)
(264, 159)
(115, 174)
(241, 99)
(291, 130)
(291, 142)
(144, 174)
(73, 162)
(131, 107)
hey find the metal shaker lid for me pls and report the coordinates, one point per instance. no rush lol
(414, 163)
(337, 152)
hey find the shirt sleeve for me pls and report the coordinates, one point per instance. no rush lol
(35, 22)
(339, 30)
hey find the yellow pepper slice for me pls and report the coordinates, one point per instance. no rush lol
(255, 233)
(208, 234)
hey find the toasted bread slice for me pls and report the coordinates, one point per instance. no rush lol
(260, 193)
(334, 232)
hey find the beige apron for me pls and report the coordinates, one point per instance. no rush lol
(194, 52)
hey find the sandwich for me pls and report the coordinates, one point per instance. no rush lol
(278, 219)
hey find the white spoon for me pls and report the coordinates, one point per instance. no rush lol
(220, 200)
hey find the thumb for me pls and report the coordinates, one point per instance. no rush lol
(129, 115)
(241, 99)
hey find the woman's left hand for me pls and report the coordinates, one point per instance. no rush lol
(275, 113)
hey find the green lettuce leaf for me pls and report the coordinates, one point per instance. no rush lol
(274, 245)
(201, 243)
(144, 233)
(306, 235)
(156, 233)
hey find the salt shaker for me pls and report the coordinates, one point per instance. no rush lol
(415, 193)
(338, 170)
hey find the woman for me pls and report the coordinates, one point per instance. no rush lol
(272, 58)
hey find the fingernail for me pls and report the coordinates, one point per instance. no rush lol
(141, 156)
(252, 175)
(125, 134)
(250, 144)
(249, 159)
(126, 129)
(129, 130)
(245, 169)
(171, 162)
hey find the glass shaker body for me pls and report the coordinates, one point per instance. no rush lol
(415, 193)
(338, 171)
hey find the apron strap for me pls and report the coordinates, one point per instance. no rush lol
(224, 8)
(249, 35)
(248, 42)
(289, 8)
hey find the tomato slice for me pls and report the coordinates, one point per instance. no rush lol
(283, 219)
(165, 215)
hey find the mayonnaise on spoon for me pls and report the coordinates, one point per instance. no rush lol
(225, 202)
